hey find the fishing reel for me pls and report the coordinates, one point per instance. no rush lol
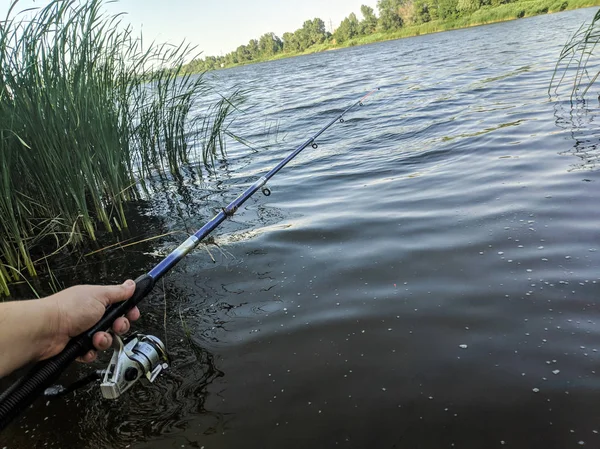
(136, 357)
(141, 355)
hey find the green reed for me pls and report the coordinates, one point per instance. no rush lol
(87, 113)
(578, 68)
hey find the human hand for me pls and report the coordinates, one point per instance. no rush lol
(76, 309)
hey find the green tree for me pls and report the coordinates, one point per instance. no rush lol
(290, 43)
(467, 6)
(389, 17)
(253, 49)
(348, 29)
(446, 9)
(422, 11)
(210, 63)
(408, 13)
(369, 23)
(231, 58)
(312, 32)
(302, 36)
(243, 54)
(269, 44)
(316, 31)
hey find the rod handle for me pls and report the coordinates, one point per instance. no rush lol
(25, 390)
(143, 286)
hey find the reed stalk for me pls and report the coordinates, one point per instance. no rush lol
(87, 115)
(578, 66)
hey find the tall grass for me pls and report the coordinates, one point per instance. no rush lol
(86, 113)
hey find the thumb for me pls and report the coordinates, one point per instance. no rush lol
(110, 294)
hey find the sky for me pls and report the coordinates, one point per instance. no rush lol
(220, 26)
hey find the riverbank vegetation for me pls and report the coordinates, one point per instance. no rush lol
(394, 19)
(87, 115)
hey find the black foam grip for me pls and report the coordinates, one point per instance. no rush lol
(25, 390)
(143, 286)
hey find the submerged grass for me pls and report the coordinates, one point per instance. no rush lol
(86, 114)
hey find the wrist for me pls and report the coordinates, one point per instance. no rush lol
(25, 333)
(45, 328)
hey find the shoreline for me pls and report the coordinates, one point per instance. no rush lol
(432, 27)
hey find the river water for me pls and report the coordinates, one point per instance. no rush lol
(426, 278)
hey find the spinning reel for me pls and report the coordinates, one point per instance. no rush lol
(136, 357)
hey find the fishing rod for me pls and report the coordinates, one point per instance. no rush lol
(140, 355)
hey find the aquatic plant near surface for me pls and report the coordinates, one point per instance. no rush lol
(574, 91)
(578, 65)
(87, 112)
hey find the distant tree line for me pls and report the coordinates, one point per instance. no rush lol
(393, 15)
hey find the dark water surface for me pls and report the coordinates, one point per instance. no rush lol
(426, 278)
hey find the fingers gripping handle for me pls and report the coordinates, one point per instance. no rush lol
(24, 391)
(143, 286)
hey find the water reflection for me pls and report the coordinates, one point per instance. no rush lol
(577, 117)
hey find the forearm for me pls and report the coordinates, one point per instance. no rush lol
(26, 329)
(41, 328)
